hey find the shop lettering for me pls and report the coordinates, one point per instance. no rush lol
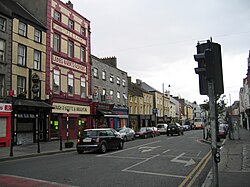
(68, 64)
(70, 108)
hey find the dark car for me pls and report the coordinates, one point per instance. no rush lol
(175, 128)
(99, 140)
(144, 132)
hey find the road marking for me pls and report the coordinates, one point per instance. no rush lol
(115, 152)
(187, 163)
(148, 149)
(166, 151)
(198, 154)
(194, 170)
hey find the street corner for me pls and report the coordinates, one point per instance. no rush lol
(13, 181)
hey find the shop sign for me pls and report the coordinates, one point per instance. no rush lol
(68, 64)
(71, 109)
(5, 107)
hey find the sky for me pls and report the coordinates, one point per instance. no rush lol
(155, 41)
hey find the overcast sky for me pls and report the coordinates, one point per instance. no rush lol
(155, 41)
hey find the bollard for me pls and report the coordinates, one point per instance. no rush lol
(38, 145)
(60, 143)
(11, 146)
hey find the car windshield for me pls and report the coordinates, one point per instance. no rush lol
(122, 131)
(89, 133)
(160, 126)
(143, 129)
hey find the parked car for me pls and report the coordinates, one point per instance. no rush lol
(144, 132)
(126, 133)
(175, 128)
(156, 131)
(99, 140)
(223, 130)
(162, 127)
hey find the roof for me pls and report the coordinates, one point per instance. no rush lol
(17, 10)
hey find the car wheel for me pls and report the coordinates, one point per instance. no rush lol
(167, 134)
(125, 138)
(145, 136)
(171, 134)
(182, 133)
(121, 144)
(179, 134)
(152, 135)
(80, 151)
(103, 148)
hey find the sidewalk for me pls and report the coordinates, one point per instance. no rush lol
(234, 167)
(31, 150)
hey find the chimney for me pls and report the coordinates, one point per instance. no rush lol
(69, 4)
(138, 82)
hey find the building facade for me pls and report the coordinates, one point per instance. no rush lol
(109, 93)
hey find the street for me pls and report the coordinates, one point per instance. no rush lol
(160, 161)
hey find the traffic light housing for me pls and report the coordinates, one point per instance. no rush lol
(209, 67)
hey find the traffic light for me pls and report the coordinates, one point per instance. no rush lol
(209, 67)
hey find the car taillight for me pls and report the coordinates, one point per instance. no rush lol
(78, 140)
(97, 140)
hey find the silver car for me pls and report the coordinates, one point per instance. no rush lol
(126, 133)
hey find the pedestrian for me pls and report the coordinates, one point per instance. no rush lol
(231, 130)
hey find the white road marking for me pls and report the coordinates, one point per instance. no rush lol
(187, 163)
(148, 149)
(198, 154)
(166, 151)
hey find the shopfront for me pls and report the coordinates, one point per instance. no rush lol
(67, 120)
(5, 124)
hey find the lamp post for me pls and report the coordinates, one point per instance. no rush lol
(67, 124)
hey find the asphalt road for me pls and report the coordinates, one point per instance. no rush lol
(160, 161)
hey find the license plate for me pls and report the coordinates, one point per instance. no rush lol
(87, 140)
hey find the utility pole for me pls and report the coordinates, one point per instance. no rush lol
(215, 153)
(163, 113)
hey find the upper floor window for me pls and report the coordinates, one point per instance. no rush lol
(56, 81)
(21, 83)
(118, 95)
(83, 31)
(111, 93)
(82, 53)
(95, 72)
(2, 24)
(2, 50)
(22, 28)
(104, 75)
(1, 85)
(118, 80)
(56, 42)
(57, 15)
(21, 55)
(83, 87)
(71, 24)
(70, 49)
(111, 78)
(38, 36)
(37, 60)
(123, 83)
(70, 84)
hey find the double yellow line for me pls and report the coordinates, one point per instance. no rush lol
(199, 166)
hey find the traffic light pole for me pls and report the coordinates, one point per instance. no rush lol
(211, 95)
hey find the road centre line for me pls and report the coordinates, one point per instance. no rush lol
(128, 149)
(194, 170)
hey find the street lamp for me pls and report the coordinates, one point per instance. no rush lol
(67, 124)
(163, 106)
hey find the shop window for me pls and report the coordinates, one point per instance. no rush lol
(3, 126)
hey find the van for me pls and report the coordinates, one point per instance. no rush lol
(162, 127)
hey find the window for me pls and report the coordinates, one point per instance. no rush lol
(103, 96)
(21, 55)
(71, 24)
(22, 28)
(2, 24)
(37, 60)
(118, 80)
(118, 95)
(56, 44)
(111, 78)
(56, 85)
(123, 83)
(82, 31)
(103, 91)
(21, 85)
(70, 49)
(111, 93)
(82, 54)
(1, 85)
(83, 87)
(2, 50)
(70, 84)
(104, 75)
(38, 36)
(57, 16)
(95, 71)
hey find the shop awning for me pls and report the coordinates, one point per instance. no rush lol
(116, 116)
(105, 112)
(31, 103)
